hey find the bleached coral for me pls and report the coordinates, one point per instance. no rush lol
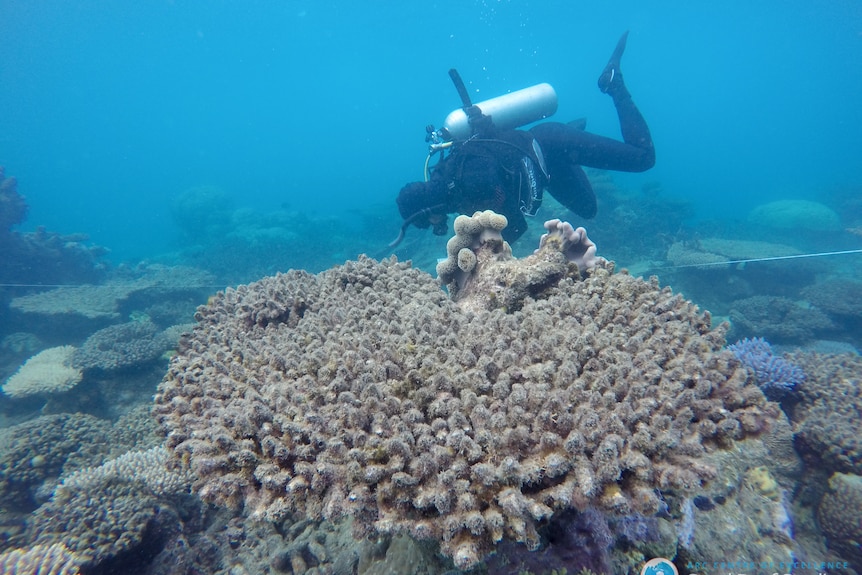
(364, 391)
(150, 468)
(49, 371)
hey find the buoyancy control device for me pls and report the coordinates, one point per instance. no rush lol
(507, 112)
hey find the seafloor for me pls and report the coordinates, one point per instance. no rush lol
(351, 418)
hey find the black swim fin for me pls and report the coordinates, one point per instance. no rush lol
(611, 75)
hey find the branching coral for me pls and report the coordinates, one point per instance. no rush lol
(774, 375)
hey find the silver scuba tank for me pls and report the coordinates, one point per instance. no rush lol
(508, 111)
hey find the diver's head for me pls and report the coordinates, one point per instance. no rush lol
(423, 204)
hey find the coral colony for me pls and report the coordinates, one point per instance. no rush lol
(776, 376)
(545, 383)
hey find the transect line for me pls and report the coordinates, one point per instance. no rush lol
(770, 259)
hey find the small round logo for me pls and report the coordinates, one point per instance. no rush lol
(659, 566)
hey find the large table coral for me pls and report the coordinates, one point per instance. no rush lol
(364, 391)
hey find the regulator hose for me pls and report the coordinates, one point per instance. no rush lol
(423, 212)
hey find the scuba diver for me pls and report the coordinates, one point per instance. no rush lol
(491, 166)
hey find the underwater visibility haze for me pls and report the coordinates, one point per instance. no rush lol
(211, 364)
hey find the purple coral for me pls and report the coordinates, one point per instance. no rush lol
(775, 376)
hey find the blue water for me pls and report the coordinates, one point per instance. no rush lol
(110, 110)
(247, 137)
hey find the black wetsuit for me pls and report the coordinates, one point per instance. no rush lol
(488, 171)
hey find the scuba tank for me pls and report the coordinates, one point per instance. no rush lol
(508, 111)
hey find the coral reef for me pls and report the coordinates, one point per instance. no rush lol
(102, 512)
(826, 418)
(364, 392)
(150, 468)
(20, 342)
(52, 559)
(41, 257)
(481, 230)
(88, 301)
(97, 523)
(681, 255)
(841, 300)
(713, 251)
(202, 213)
(587, 541)
(244, 244)
(778, 319)
(481, 274)
(840, 516)
(121, 346)
(152, 284)
(39, 450)
(716, 271)
(635, 225)
(573, 243)
(76, 311)
(745, 509)
(49, 371)
(776, 376)
(136, 429)
(796, 215)
(13, 207)
(840, 297)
